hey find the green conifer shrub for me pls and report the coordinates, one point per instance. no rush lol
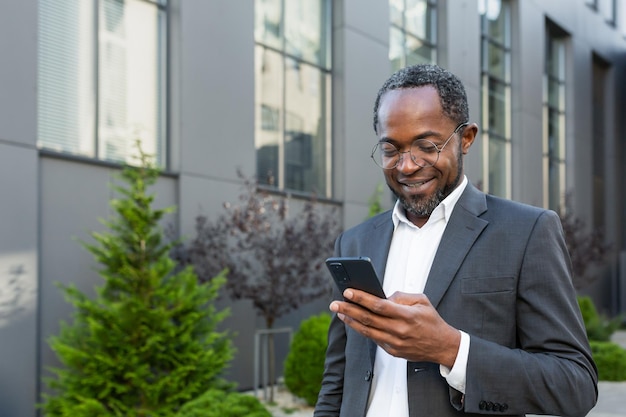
(147, 343)
(610, 358)
(219, 403)
(599, 327)
(304, 365)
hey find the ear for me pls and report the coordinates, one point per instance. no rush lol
(469, 135)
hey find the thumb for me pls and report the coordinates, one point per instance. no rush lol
(404, 298)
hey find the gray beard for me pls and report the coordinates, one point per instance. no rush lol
(424, 207)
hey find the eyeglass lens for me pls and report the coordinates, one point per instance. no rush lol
(423, 153)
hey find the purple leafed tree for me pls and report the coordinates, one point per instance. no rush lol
(274, 257)
(587, 247)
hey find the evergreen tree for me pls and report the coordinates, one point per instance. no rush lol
(146, 344)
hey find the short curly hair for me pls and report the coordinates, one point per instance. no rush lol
(450, 88)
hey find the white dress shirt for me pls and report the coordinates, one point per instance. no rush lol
(410, 258)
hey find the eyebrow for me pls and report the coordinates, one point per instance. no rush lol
(424, 135)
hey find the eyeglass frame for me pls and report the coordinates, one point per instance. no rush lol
(457, 129)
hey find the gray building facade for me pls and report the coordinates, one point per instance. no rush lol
(531, 148)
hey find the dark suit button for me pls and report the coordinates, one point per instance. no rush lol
(368, 375)
(482, 405)
(490, 406)
(504, 407)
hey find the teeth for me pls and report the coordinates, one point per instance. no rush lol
(416, 184)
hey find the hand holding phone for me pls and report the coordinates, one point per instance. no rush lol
(355, 272)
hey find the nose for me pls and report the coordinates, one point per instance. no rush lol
(406, 163)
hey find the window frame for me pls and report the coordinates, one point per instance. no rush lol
(497, 144)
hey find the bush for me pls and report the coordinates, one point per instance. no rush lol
(216, 403)
(610, 358)
(304, 365)
(599, 327)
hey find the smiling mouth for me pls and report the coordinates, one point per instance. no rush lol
(415, 184)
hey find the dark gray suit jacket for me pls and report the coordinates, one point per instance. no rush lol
(502, 274)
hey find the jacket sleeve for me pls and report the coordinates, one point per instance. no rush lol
(331, 393)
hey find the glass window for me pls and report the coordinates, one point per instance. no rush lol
(101, 78)
(592, 3)
(607, 9)
(292, 94)
(600, 87)
(496, 95)
(268, 27)
(621, 17)
(413, 32)
(554, 121)
(498, 162)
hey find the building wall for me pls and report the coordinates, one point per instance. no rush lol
(19, 223)
(49, 201)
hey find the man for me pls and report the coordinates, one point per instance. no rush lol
(481, 315)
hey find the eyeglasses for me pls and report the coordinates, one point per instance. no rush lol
(423, 152)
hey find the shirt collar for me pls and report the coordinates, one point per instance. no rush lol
(443, 210)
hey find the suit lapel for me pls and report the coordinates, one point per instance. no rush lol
(376, 245)
(462, 230)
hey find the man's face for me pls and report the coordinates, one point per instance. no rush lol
(404, 116)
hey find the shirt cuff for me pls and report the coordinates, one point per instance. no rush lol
(457, 375)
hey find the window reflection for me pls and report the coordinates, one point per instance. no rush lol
(269, 99)
(305, 159)
(496, 94)
(554, 119)
(292, 95)
(498, 165)
(413, 32)
(268, 27)
(97, 102)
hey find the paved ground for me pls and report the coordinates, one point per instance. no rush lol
(611, 403)
(611, 398)
(612, 395)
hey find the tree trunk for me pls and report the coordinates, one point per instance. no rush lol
(271, 365)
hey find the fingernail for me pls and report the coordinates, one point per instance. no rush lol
(334, 307)
(348, 294)
(341, 316)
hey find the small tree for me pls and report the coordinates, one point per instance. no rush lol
(147, 344)
(274, 259)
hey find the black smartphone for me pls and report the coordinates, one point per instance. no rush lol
(355, 272)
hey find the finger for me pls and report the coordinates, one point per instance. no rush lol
(349, 309)
(352, 313)
(364, 322)
(368, 301)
